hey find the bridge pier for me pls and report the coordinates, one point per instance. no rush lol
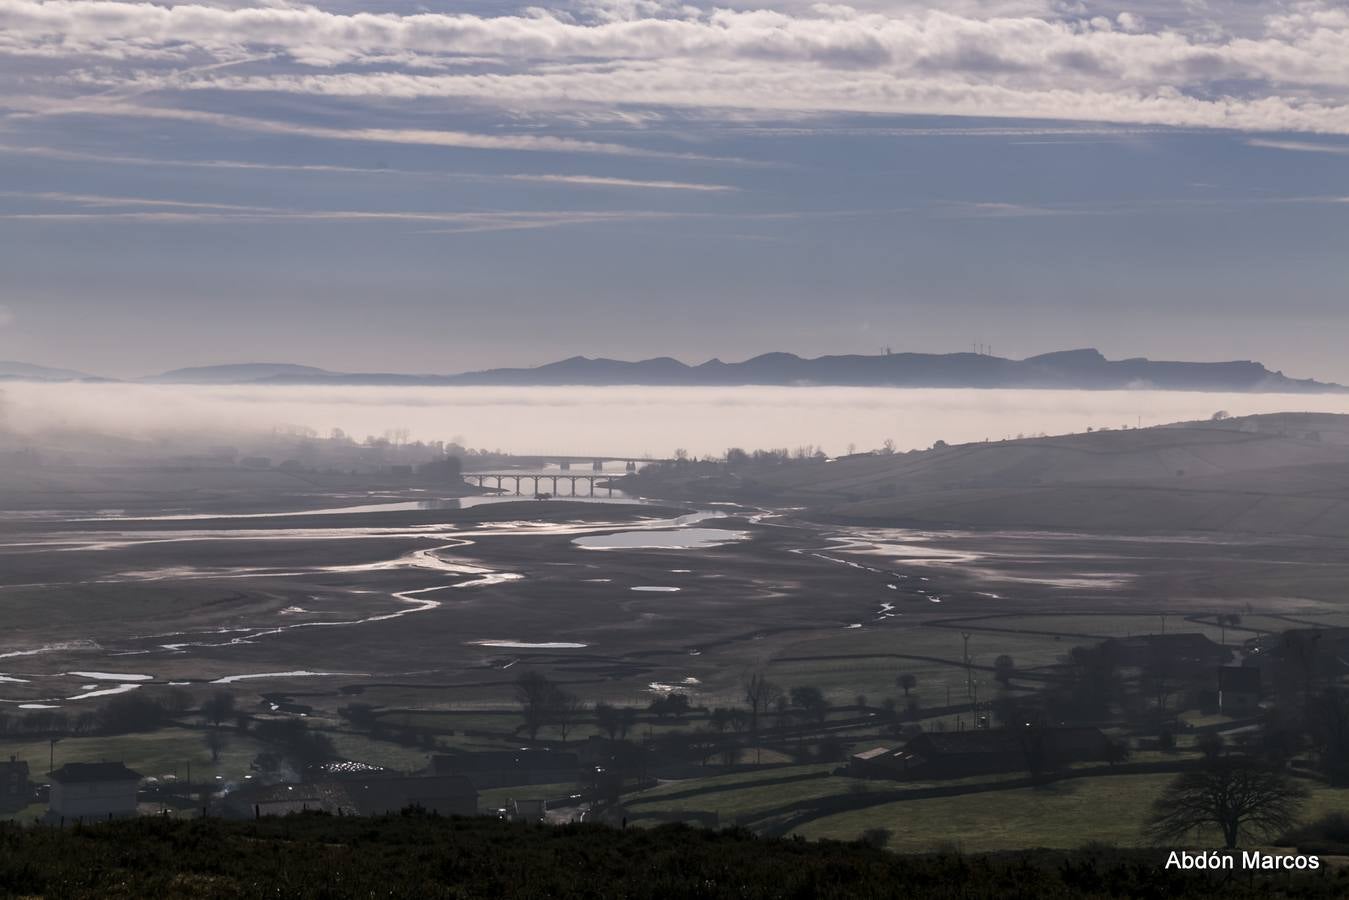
(518, 480)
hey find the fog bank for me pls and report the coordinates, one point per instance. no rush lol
(636, 421)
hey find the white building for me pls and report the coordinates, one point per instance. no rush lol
(93, 791)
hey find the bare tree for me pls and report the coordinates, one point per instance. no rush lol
(215, 742)
(535, 694)
(566, 708)
(759, 694)
(1003, 668)
(811, 701)
(908, 681)
(218, 708)
(1232, 794)
(627, 720)
(608, 720)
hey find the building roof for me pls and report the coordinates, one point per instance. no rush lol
(874, 754)
(79, 773)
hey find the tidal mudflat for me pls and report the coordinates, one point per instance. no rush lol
(419, 603)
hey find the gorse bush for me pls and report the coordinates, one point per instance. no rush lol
(420, 855)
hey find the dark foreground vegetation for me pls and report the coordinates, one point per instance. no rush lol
(417, 855)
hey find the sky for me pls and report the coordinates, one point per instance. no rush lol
(452, 186)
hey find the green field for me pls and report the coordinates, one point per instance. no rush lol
(497, 798)
(1064, 814)
(761, 799)
(155, 754)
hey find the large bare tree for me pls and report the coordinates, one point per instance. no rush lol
(567, 708)
(536, 695)
(759, 694)
(1231, 794)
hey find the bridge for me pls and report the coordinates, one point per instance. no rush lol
(565, 462)
(540, 478)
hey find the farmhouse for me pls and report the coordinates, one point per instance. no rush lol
(93, 791)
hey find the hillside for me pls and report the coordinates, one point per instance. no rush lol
(1271, 474)
(424, 856)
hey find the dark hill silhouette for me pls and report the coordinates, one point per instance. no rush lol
(239, 373)
(1074, 369)
(30, 372)
(1069, 369)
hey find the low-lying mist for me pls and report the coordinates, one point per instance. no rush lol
(619, 421)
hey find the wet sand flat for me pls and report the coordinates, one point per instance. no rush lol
(429, 607)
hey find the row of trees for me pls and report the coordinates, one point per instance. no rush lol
(543, 703)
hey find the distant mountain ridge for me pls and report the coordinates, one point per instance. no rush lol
(1085, 369)
(239, 373)
(28, 371)
(1072, 369)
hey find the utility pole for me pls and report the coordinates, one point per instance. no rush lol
(969, 672)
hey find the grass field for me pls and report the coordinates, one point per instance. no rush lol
(497, 798)
(154, 754)
(1065, 814)
(384, 754)
(756, 799)
(25, 815)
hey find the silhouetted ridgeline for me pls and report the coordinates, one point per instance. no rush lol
(423, 856)
(1069, 369)
(1072, 369)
